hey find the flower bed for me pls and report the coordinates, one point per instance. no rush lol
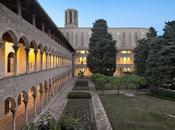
(81, 110)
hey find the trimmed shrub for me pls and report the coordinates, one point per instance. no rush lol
(79, 95)
(81, 83)
(163, 94)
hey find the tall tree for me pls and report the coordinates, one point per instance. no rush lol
(167, 65)
(169, 31)
(142, 52)
(152, 72)
(102, 50)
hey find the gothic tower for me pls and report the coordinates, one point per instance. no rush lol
(71, 18)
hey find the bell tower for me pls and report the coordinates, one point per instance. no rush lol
(71, 18)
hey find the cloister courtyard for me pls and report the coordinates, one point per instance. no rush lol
(98, 76)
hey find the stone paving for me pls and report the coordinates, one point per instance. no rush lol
(56, 106)
(102, 121)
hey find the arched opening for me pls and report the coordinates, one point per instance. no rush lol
(31, 103)
(7, 55)
(6, 122)
(39, 51)
(45, 93)
(21, 115)
(21, 57)
(32, 56)
(51, 61)
(44, 58)
(48, 61)
(39, 98)
(10, 62)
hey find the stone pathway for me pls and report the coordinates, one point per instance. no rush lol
(56, 106)
(102, 121)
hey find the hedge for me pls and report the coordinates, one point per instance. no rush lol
(79, 95)
(163, 94)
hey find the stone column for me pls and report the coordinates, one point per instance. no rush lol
(13, 111)
(26, 112)
(19, 7)
(41, 61)
(27, 59)
(35, 51)
(46, 95)
(15, 64)
(46, 61)
(41, 102)
(34, 99)
(50, 61)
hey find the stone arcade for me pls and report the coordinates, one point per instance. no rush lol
(35, 61)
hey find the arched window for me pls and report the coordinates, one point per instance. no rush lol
(10, 62)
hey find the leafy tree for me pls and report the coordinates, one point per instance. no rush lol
(102, 51)
(142, 52)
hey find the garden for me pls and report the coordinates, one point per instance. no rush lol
(143, 113)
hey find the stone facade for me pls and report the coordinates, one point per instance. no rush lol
(24, 92)
(126, 38)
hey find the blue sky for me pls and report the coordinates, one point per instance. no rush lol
(118, 13)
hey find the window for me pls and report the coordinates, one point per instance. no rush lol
(10, 62)
(70, 17)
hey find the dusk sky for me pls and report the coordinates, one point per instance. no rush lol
(118, 13)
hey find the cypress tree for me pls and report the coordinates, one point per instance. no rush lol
(169, 31)
(102, 50)
(152, 72)
(142, 52)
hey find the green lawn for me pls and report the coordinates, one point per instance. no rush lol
(145, 113)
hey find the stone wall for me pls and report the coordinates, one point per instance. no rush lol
(12, 86)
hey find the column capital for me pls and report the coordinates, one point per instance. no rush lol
(41, 52)
(15, 48)
(13, 110)
(34, 95)
(27, 50)
(25, 102)
(35, 51)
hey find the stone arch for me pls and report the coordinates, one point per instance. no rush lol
(33, 45)
(22, 102)
(40, 46)
(39, 99)
(32, 51)
(8, 53)
(33, 90)
(23, 94)
(46, 49)
(25, 41)
(10, 35)
(45, 92)
(10, 104)
(21, 55)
